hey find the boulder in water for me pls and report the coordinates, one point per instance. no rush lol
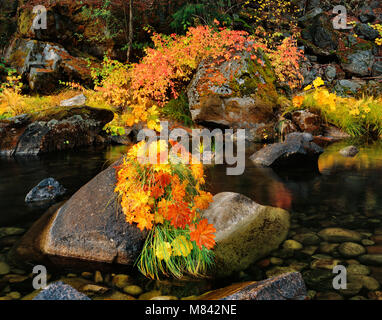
(298, 148)
(47, 189)
(245, 231)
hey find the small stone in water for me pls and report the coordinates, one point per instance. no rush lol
(150, 295)
(340, 235)
(4, 268)
(98, 277)
(371, 259)
(350, 151)
(164, 298)
(133, 290)
(95, 289)
(367, 242)
(14, 295)
(328, 264)
(351, 249)
(358, 269)
(309, 250)
(328, 296)
(121, 280)
(292, 245)
(328, 248)
(86, 275)
(309, 238)
(276, 261)
(352, 289)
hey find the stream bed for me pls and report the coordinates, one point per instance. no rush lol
(345, 193)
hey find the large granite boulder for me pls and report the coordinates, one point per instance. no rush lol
(246, 96)
(298, 148)
(91, 226)
(245, 231)
(43, 64)
(288, 286)
(54, 130)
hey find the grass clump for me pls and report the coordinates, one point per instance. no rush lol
(356, 116)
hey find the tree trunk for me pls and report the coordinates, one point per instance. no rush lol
(131, 31)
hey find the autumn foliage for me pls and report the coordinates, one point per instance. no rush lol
(168, 66)
(164, 196)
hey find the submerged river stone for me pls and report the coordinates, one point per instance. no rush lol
(340, 235)
(246, 231)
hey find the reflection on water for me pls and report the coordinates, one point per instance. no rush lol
(343, 184)
(72, 169)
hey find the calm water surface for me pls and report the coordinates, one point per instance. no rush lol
(344, 192)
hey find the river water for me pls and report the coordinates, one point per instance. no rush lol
(344, 193)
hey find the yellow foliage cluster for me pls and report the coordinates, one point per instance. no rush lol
(355, 116)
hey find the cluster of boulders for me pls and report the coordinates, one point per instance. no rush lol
(55, 129)
(342, 57)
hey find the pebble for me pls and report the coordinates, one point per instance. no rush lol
(15, 278)
(133, 290)
(121, 280)
(311, 294)
(350, 151)
(115, 295)
(14, 295)
(309, 250)
(164, 298)
(292, 245)
(353, 288)
(86, 275)
(351, 249)
(358, 298)
(328, 248)
(150, 295)
(95, 289)
(328, 296)
(276, 271)
(328, 264)
(71, 275)
(340, 235)
(367, 242)
(371, 259)
(358, 269)
(367, 282)
(4, 268)
(98, 277)
(309, 238)
(276, 261)
(11, 231)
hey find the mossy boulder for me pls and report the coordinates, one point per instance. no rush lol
(246, 97)
(246, 231)
(43, 64)
(54, 129)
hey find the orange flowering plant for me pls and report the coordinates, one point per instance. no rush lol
(164, 196)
